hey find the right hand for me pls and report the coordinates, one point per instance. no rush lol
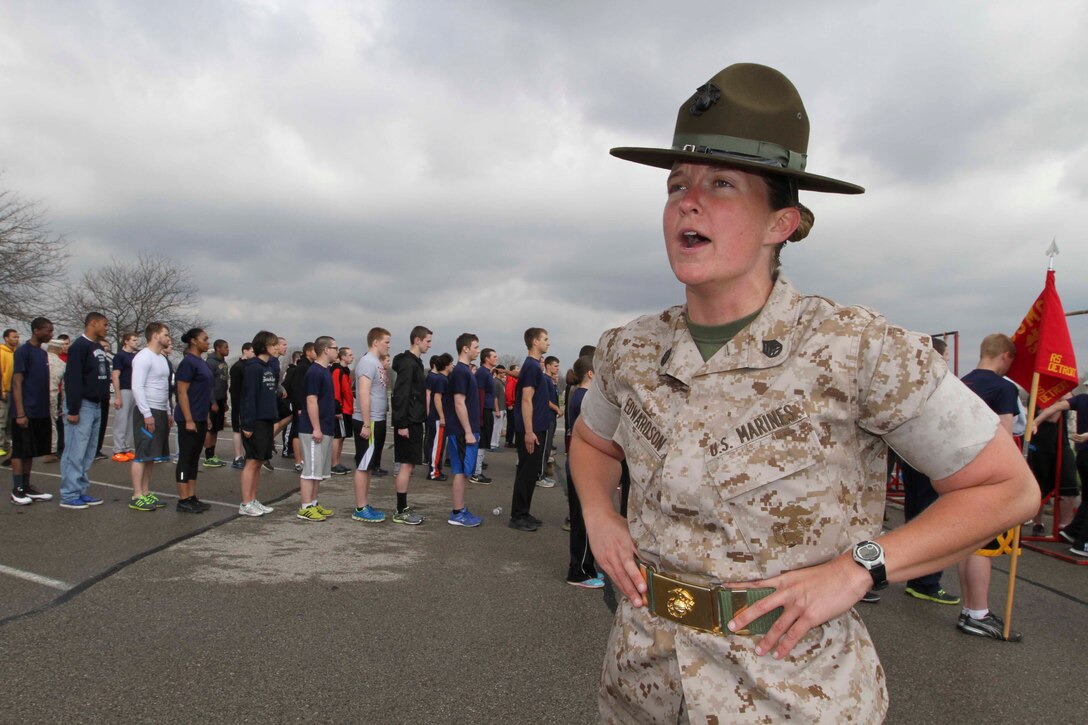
(117, 403)
(530, 442)
(247, 433)
(149, 424)
(402, 432)
(317, 436)
(364, 432)
(616, 554)
(74, 419)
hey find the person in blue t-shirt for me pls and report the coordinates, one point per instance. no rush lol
(316, 426)
(988, 382)
(582, 569)
(485, 381)
(193, 379)
(1076, 532)
(461, 411)
(531, 418)
(30, 421)
(123, 447)
(435, 436)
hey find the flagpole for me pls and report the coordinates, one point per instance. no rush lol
(1015, 555)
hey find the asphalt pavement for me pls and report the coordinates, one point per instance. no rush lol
(109, 614)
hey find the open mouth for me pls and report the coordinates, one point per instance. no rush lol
(691, 240)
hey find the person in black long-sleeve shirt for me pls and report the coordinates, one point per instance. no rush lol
(259, 411)
(86, 386)
(237, 374)
(409, 410)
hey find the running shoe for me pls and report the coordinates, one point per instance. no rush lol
(940, 596)
(522, 524)
(465, 518)
(100, 456)
(91, 500)
(248, 509)
(310, 513)
(591, 583)
(339, 470)
(298, 468)
(370, 515)
(202, 504)
(159, 503)
(214, 462)
(479, 478)
(439, 477)
(19, 497)
(379, 473)
(130, 456)
(323, 511)
(991, 626)
(238, 463)
(119, 457)
(36, 494)
(188, 506)
(1080, 549)
(141, 503)
(267, 465)
(261, 507)
(1064, 533)
(546, 483)
(73, 503)
(407, 516)
(871, 597)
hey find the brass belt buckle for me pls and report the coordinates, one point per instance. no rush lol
(687, 604)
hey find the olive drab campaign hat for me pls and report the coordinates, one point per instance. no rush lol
(749, 117)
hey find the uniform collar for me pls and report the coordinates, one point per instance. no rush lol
(765, 343)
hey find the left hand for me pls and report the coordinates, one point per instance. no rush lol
(190, 426)
(470, 439)
(809, 597)
(1079, 437)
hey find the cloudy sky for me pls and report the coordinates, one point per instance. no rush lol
(331, 166)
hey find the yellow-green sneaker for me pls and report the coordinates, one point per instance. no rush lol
(323, 511)
(310, 513)
(143, 503)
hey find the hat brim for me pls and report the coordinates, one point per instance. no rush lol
(665, 158)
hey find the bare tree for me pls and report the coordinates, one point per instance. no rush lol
(34, 260)
(508, 359)
(150, 288)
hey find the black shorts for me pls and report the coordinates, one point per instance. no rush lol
(296, 418)
(36, 439)
(258, 447)
(151, 447)
(190, 448)
(342, 426)
(409, 449)
(283, 406)
(218, 417)
(235, 420)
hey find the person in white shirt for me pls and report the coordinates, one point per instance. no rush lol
(151, 422)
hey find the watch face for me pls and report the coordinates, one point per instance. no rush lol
(868, 551)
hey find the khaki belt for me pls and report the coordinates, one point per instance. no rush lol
(707, 609)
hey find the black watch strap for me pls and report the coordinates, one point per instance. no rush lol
(879, 574)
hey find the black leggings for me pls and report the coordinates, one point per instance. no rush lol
(190, 447)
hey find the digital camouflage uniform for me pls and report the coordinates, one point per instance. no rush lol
(769, 457)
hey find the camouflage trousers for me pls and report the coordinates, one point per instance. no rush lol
(656, 671)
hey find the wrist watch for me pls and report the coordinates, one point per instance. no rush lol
(870, 555)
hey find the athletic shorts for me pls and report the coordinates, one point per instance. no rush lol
(409, 449)
(33, 441)
(258, 447)
(316, 457)
(283, 406)
(190, 448)
(342, 426)
(151, 447)
(295, 419)
(218, 417)
(462, 455)
(235, 417)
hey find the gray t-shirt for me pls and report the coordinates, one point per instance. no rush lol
(370, 367)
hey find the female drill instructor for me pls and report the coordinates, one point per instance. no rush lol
(755, 422)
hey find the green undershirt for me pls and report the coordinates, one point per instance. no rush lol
(711, 338)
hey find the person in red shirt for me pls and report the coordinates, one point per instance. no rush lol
(511, 399)
(345, 405)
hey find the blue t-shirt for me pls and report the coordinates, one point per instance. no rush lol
(485, 381)
(122, 362)
(318, 381)
(461, 382)
(33, 363)
(195, 371)
(1079, 405)
(532, 376)
(436, 383)
(574, 409)
(995, 391)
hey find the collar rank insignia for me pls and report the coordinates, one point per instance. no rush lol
(772, 348)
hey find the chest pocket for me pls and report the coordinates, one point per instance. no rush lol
(779, 496)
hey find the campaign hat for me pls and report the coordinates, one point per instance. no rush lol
(749, 117)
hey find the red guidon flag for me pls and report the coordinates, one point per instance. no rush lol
(1043, 346)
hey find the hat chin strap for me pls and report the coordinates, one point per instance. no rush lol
(742, 149)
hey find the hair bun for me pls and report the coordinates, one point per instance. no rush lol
(807, 220)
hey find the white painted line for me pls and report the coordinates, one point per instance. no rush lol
(129, 488)
(36, 578)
